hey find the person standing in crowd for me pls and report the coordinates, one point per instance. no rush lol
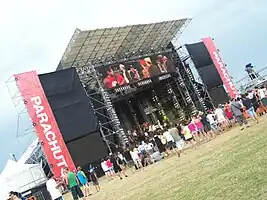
(262, 95)
(15, 196)
(93, 178)
(206, 125)
(159, 144)
(220, 117)
(237, 110)
(170, 141)
(193, 129)
(229, 114)
(213, 124)
(73, 184)
(52, 188)
(121, 162)
(110, 167)
(135, 157)
(128, 158)
(149, 147)
(84, 181)
(116, 167)
(249, 107)
(106, 169)
(188, 135)
(253, 97)
(177, 139)
(200, 127)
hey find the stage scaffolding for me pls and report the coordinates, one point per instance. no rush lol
(246, 83)
(197, 89)
(88, 50)
(102, 106)
(24, 127)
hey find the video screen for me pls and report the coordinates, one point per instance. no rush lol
(129, 72)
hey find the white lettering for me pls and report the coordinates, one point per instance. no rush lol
(226, 76)
(42, 117)
(36, 100)
(38, 109)
(47, 128)
(50, 136)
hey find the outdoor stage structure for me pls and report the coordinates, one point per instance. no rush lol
(95, 52)
(120, 78)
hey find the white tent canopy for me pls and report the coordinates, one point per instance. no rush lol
(20, 177)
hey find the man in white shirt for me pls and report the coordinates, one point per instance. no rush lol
(262, 95)
(149, 148)
(169, 139)
(212, 122)
(135, 157)
(52, 188)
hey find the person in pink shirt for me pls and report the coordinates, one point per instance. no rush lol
(110, 167)
(193, 129)
(200, 127)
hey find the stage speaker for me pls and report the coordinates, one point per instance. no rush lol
(210, 76)
(199, 54)
(75, 116)
(204, 65)
(219, 95)
(70, 104)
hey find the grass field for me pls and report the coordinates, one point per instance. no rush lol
(233, 166)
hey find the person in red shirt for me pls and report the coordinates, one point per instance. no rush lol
(113, 79)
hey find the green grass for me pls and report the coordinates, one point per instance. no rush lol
(233, 166)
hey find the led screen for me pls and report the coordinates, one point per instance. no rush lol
(129, 72)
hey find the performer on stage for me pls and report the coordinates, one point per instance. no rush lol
(161, 64)
(113, 79)
(123, 70)
(133, 73)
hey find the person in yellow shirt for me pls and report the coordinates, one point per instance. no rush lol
(188, 136)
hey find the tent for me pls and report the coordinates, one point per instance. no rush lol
(20, 177)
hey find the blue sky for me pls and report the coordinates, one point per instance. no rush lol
(34, 35)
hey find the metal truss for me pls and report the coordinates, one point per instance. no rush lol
(109, 44)
(246, 83)
(197, 88)
(101, 103)
(24, 125)
(182, 84)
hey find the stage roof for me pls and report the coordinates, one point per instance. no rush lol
(110, 43)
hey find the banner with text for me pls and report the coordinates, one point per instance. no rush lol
(44, 122)
(221, 68)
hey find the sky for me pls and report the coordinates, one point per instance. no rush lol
(35, 33)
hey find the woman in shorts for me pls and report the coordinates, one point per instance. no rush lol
(135, 157)
(93, 178)
(83, 181)
(188, 136)
(200, 126)
(193, 129)
(106, 169)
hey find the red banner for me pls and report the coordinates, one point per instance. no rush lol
(221, 68)
(44, 122)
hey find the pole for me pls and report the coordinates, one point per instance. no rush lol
(14, 157)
